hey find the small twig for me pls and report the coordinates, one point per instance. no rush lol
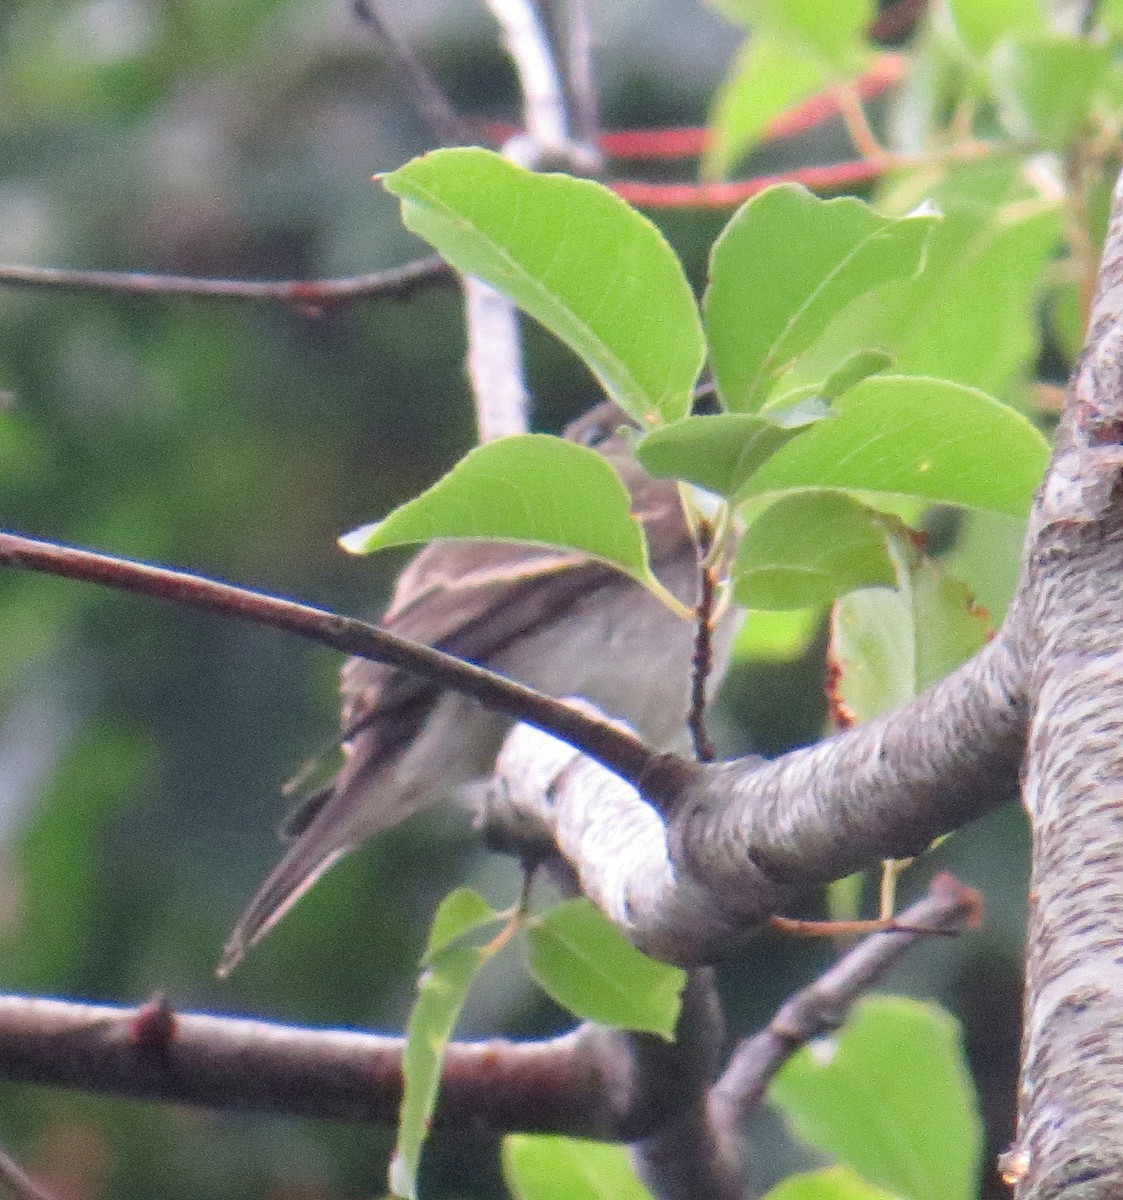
(311, 295)
(702, 662)
(433, 104)
(857, 123)
(19, 1183)
(949, 908)
(621, 752)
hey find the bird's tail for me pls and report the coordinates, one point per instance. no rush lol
(307, 859)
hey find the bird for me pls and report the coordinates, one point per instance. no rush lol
(556, 620)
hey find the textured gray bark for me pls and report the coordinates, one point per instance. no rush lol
(741, 838)
(1070, 1133)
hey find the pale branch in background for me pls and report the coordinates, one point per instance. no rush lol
(580, 76)
(544, 109)
(494, 361)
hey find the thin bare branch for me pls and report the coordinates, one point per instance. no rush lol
(395, 283)
(616, 749)
(702, 664)
(822, 1007)
(432, 103)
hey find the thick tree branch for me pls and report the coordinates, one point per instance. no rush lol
(394, 283)
(589, 1083)
(686, 1157)
(739, 839)
(1070, 1126)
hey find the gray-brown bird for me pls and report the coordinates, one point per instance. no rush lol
(558, 621)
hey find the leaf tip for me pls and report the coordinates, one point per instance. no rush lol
(358, 541)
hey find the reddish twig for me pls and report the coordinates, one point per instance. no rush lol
(657, 144)
(311, 295)
(833, 178)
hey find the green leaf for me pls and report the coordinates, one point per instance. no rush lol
(987, 556)
(891, 1097)
(528, 488)
(541, 1167)
(581, 959)
(980, 23)
(461, 912)
(848, 374)
(808, 548)
(575, 257)
(831, 31)
(945, 323)
(719, 453)
(1110, 15)
(919, 437)
(1044, 85)
(888, 646)
(768, 301)
(442, 989)
(776, 636)
(833, 1183)
(766, 77)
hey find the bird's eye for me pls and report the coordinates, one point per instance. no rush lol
(594, 433)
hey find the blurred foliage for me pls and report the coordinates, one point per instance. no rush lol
(142, 749)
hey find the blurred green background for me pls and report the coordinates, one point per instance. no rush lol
(142, 749)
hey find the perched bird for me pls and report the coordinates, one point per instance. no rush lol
(558, 621)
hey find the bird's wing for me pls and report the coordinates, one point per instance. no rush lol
(472, 601)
